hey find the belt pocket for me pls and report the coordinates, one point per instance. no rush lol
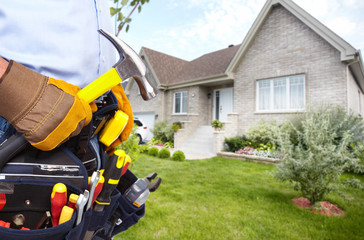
(32, 199)
(128, 215)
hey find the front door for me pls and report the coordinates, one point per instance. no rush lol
(223, 103)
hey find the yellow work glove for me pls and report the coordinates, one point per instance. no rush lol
(123, 105)
(45, 110)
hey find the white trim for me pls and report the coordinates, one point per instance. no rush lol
(182, 104)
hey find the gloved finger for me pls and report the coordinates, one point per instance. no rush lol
(125, 106)
(93, 107)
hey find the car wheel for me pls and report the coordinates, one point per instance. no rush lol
(140, 139)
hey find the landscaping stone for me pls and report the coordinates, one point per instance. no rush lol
(251, 158)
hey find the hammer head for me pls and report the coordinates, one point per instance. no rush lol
(130, 65)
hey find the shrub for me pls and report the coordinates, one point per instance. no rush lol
(164, 153)
(163, 131)
(144, 149)
(178, 156)
(153, 151)
(316, 162)
(235, 143)
(262, 133)
(131, 145)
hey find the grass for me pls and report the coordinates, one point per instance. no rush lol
(221, 198)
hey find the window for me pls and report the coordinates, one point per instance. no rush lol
(180, 102)
(281, 94)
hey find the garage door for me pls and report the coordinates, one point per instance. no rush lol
(148, 119)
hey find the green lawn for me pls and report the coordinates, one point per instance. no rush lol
(229, 199)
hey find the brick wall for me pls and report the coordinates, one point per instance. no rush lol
(285, 46)
(139, 105)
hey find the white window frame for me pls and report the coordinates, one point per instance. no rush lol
(182, 102)
(271, 100)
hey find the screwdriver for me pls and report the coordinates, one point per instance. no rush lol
(66, 214)
(72, 200)
(58, 201)
(98, 188)
(125, 165)
(112, 173)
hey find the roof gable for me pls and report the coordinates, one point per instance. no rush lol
(348, 53)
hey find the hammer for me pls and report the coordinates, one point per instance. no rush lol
(129, 66)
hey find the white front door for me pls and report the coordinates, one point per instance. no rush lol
(223, 103)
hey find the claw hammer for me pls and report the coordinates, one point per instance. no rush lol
(129, 66)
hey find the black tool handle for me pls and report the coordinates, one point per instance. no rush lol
(112, 175)
(12, 146)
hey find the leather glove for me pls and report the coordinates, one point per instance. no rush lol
(45, 110)
(123, 105)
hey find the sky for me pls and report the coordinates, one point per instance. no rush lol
(190, 28)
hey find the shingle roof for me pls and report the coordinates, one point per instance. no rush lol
(171, 70)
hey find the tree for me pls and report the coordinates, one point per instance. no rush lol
(126, 6)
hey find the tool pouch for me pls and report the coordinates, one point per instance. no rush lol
(31, 198)
(35, 172)
(120, 214)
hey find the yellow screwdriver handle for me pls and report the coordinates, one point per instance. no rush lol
(98, 87)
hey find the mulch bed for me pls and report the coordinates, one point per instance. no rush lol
(324, 208)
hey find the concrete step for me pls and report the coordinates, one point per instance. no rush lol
(199, 144)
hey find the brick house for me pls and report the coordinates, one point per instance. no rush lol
(287, 60)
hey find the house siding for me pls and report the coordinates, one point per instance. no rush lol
(285, 46)
(355, 96)
(198, 105)
(140, 106)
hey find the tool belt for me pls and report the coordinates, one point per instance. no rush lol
(33, 173)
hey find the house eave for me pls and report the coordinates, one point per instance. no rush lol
(357, 69)
(211, 80)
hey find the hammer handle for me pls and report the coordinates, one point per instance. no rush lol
(98, 87)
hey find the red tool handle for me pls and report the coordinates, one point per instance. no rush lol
(58, 201)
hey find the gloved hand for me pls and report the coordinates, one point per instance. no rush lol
(123, 105)
(45, 110)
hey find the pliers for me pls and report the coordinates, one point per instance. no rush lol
(152, 186)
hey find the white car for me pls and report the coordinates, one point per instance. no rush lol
(142, 131)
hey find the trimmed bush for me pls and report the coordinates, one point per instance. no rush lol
(153, 152)
(164, 153)
(178, 156)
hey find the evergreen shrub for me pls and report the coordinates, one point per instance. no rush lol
(164, 153)
(153, 152)
(178, 156)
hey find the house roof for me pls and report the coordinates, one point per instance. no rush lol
(171, 70)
